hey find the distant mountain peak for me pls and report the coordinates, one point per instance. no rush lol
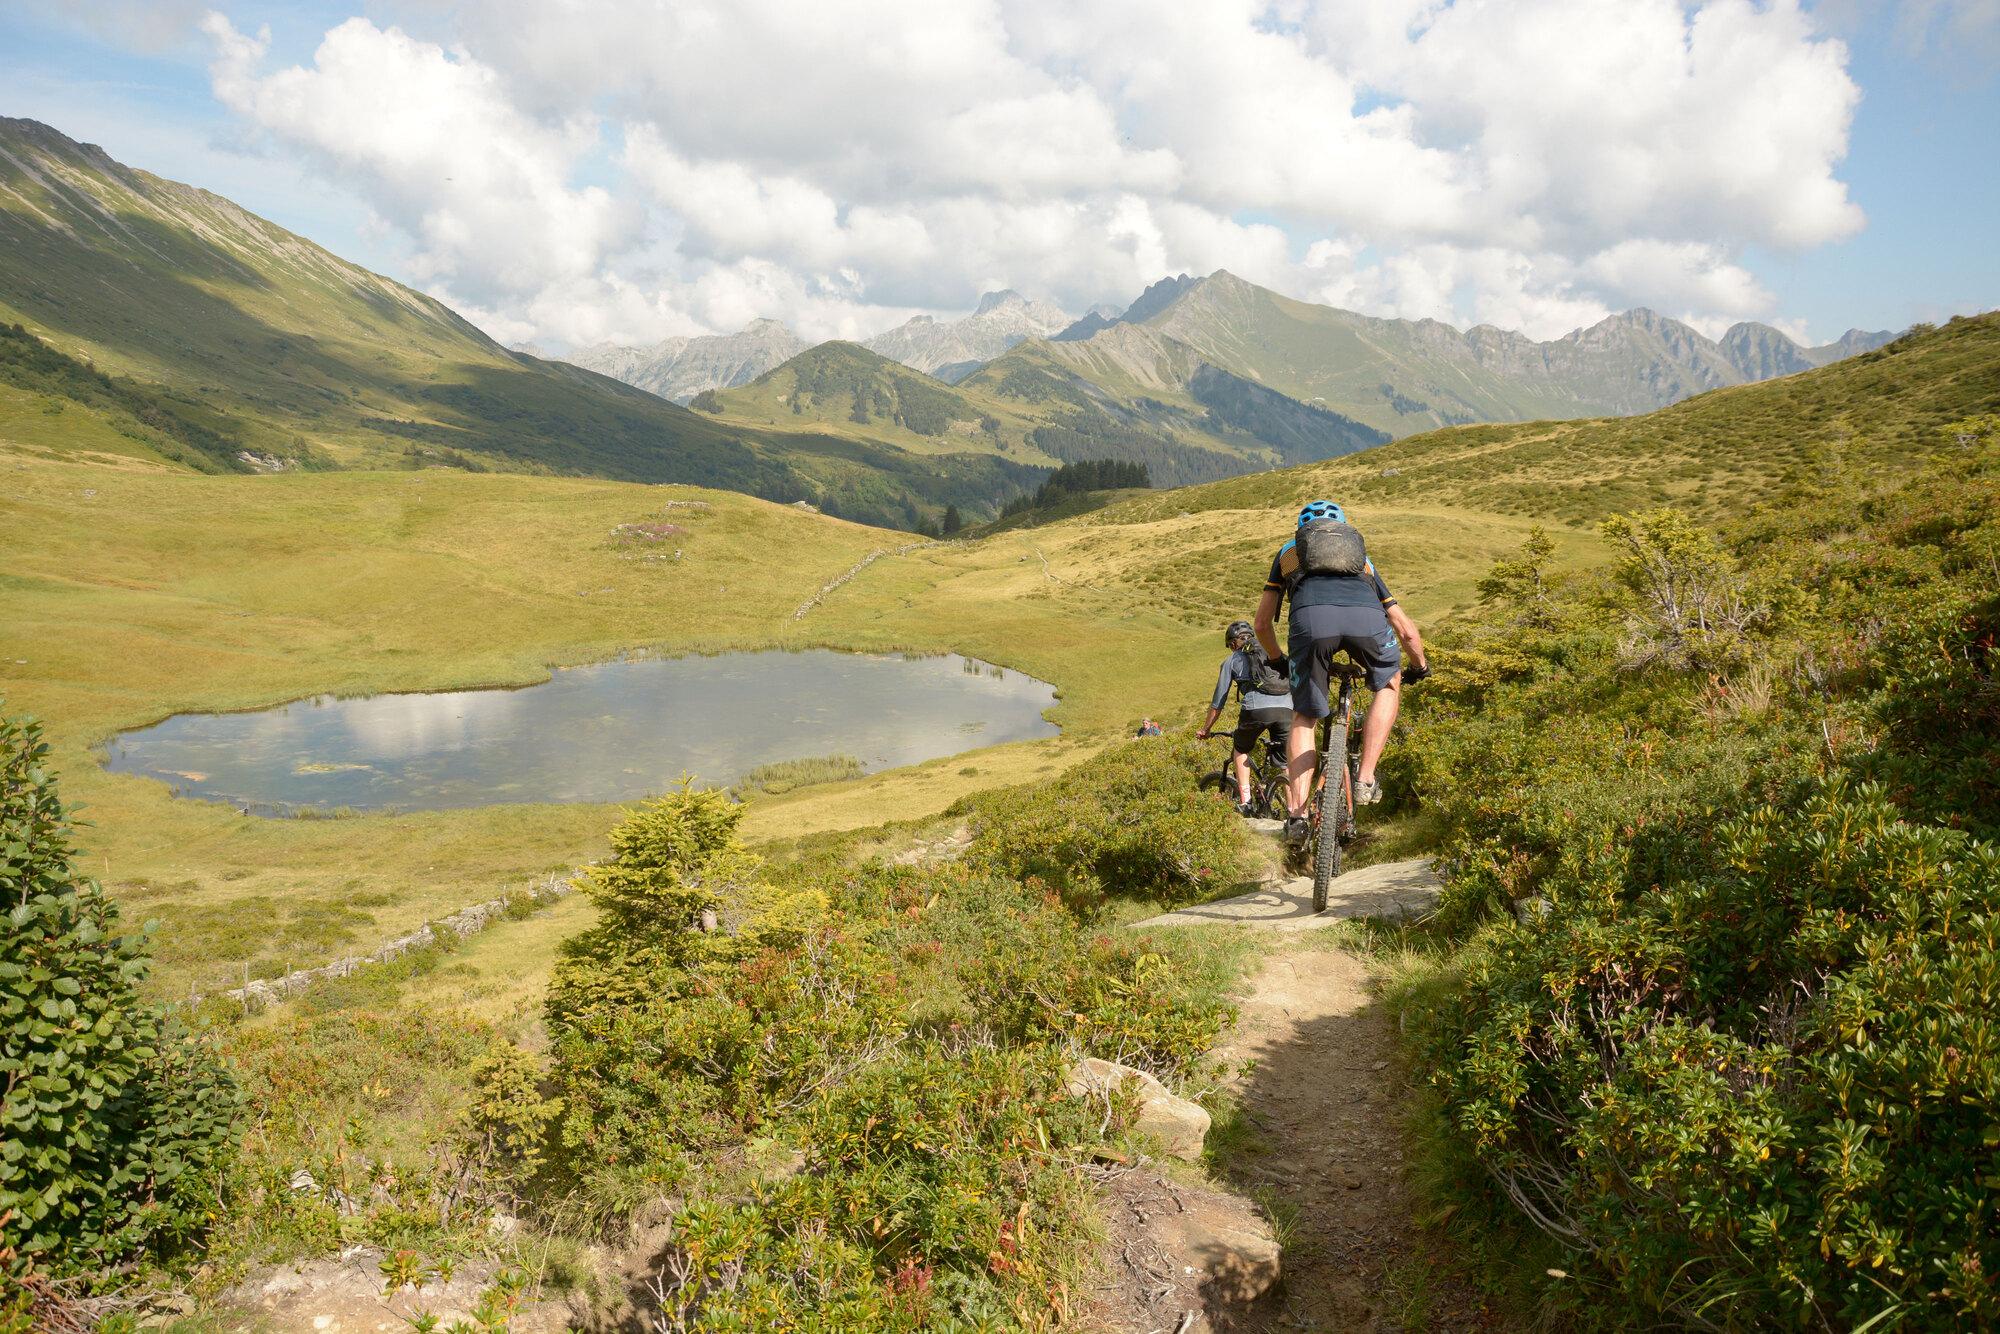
(679, 368)
(992, 301)
(1001, 320)
(1161, 295)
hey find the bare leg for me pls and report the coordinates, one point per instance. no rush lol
(1239, 764)
(1375, 732)
(1302, 752)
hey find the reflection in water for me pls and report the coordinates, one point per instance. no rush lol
(606, 733)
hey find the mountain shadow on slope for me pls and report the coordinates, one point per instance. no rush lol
(234, 334)
(1298, 432)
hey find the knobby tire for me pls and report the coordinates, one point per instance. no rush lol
(1277, 798)
(1333, 799)
(1222, 784)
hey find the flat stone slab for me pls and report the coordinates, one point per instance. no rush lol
(1399, 891)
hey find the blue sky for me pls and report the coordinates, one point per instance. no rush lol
(1920, 163)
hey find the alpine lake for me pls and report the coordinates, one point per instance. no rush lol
(610, 732)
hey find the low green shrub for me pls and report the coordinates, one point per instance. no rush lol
(1760, 1093)
(1726, 1030)
(907, 1035)
(1128, 821)
(383, 1127)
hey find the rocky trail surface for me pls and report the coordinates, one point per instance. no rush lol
(1313, 1064)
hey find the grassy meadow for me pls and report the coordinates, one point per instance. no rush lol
(133, 590)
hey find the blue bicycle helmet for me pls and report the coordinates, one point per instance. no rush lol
(1322, 509)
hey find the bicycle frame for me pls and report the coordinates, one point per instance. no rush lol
(1332, 737)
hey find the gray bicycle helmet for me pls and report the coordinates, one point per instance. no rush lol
(1238, 630)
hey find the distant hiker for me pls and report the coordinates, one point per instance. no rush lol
(1149, 728)
(1339, 602)
(1266, 705)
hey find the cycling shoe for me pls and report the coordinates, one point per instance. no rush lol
(1367, 794)
(1296, 830)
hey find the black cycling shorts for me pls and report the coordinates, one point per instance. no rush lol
(1252, 723)
(1320, 632)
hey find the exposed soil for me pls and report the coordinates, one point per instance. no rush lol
(1175, 1256)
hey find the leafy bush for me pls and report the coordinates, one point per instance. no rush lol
(906, 1039)
(710, 1050)
(1737, 1052)
(1128, 821)
(1693, 609)
(1760, 1093)
(114, 1121)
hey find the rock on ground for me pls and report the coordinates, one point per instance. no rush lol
(1181, 1126)
(344, 1296)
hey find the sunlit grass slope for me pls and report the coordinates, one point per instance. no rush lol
(1878, 415)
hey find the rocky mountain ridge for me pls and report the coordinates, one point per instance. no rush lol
(1405, 376)
(1398, 376)
(680, 368)
(1001, 321)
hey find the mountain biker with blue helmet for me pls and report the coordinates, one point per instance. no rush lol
(1266, 704)
(1338, 602)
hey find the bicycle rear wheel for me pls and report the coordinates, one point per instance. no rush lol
(1333, 816)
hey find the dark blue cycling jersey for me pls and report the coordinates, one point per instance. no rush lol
(1327, 590)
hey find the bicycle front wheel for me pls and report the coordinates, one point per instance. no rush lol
(1333, 816)
(1221, 785)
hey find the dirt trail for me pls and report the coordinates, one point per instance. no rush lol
(1326, 1100)
(1326, 1096)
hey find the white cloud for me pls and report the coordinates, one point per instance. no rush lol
(431, 139)
(623, 171)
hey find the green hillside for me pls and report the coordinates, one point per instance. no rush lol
(1030, 406)
(1403, 376)
(222, 334)
(844, 389)
(1867, 419)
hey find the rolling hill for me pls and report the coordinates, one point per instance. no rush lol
(218, 327)
(1439, 508)
(1030, 407)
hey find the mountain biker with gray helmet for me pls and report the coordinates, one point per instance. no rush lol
(1338, 602)
(1266, 703)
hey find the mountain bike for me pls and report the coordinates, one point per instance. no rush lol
(1267, 779)
(1330, 823)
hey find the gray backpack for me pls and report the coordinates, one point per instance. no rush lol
(1264, 678)
(1328, 547)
